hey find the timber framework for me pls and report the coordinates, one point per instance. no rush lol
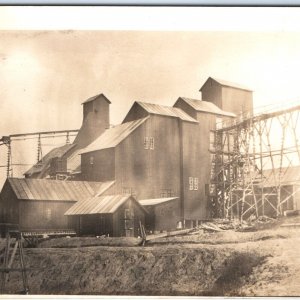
(253, 164)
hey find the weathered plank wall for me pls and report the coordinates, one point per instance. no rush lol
(149, 172)
(98, 165)
(9, 205)
(38, 215)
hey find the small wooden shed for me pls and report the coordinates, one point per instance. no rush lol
(113, 215)
(164, 213)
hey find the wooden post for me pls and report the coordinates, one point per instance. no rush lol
(8, 261)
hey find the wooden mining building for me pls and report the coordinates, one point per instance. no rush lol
(152, 169)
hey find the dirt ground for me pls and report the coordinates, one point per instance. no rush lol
(226, 263)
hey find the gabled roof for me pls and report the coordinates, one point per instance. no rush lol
(95, 97)
(56, 190)
(113, 136)
(227, 83)
(44, 164)
(99, 205)
(206, 106)
(163, 110)
(150, 202)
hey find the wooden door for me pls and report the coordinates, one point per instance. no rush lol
(129, 222)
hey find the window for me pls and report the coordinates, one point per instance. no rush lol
(146, 143)
(126, 190)
(195, 183)
(191, 183)
(48, 214)
(151, 143)
(165, 193)
(91, 160)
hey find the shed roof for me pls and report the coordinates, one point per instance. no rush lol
(56, 190)
(149, 202)
(95, 97)
(166, 111)
(206, 106)
(289, 176)
(227, 83)
(98, 205)
(113, 136)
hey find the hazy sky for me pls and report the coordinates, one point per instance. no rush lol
(45, 75)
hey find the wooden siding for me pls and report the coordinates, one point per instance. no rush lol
(119, 219)
(227, 98)
(39, 215)
(148, 172)
(212, 92)
(110, 224)
(102, 168)
(95, 224)
(95, 121)
(136, 112)
(186, 108)
(164, 216)
(195, 162)
(9, 205)
(236, 101)
(57, 165)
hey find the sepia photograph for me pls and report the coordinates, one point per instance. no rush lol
(149, 151)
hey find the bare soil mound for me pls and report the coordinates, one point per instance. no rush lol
(134, 271)
(77, 242)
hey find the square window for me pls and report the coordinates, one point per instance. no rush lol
(196, 183)
(91, 160)
(191, 183)
(146, 142)
(151, 143)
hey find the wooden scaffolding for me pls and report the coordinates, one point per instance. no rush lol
(250, 158)
(13, 247)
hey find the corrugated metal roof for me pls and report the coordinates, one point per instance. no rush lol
(95, 97)
(206, 106)
(148, 202)
(228, 83)
(56, 190)
(166, 111)
(98, 205)
(290, 176)
(232, 84)
(113, 136)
